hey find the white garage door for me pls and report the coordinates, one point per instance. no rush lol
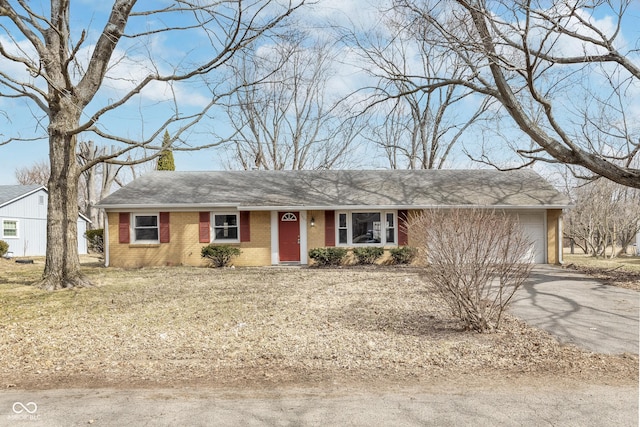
(533, 225)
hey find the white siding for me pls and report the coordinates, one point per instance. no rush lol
(82, 240)
(31, 214)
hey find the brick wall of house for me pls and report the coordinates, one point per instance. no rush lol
(315, 234)
(257, 251)
(184, 246)
(553, 235)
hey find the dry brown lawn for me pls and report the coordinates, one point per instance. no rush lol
(623, 271)
(265, 327)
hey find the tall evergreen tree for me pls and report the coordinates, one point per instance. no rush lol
(165, 161)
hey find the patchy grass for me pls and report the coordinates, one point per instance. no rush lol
(622, 271)
(626, 263)
(263, 326)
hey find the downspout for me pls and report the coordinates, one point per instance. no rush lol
(560, 241)
(106, 239)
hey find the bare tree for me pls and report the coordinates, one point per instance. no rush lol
(288, 120)
(69, 73)
(37, 173)
(418, 126)
(476, 258)
(604, 215)
(97, 181)
(564, 78)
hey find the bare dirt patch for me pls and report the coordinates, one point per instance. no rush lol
(265, 327)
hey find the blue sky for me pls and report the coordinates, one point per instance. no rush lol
(141, 117)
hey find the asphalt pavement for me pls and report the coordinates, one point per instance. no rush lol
(580, 310)
(581, 406)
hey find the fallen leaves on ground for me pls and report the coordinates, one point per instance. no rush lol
(185, 326)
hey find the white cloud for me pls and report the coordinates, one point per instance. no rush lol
(17, 70)
(361, 13)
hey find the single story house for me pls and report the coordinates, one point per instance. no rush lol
(275, 217)
(23, 220)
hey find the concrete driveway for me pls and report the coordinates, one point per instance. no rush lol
(580, 310)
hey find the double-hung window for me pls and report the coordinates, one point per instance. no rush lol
(145, 228)
(367, 228)
(10, 228)
(225, 227)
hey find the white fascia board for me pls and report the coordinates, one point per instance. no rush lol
(198, 207)
(394, 207)
(165, 208)
(83, 216)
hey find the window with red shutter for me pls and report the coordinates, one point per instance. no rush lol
(165, 233)
(205, 220)
(403, 237)
(123, 227)
(329, 228)
(245, 226)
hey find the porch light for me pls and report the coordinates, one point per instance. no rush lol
(313, 221)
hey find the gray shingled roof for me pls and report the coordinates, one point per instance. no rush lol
(9, 193)
(336, 189)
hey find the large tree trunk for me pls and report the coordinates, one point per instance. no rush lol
(62, 267)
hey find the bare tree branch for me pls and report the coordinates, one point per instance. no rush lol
(520, 54)
(71, 87)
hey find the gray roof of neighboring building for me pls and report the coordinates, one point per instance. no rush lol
(9, 193)
(332, 189)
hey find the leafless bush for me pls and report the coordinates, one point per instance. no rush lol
(477, 259)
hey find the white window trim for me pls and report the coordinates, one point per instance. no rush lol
(213, 227)
(383, 233)
(17, 236)
(133, 228)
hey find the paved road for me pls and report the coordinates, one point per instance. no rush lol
(580, 310)
(583, 406)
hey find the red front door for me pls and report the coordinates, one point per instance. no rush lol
(289, 236)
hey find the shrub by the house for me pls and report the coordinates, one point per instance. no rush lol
(368, 254)
(477, 259)
(4, 248)
(95, 240)
(328, 256)
(219, 255)
(403, 254)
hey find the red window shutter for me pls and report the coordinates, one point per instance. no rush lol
(164, 227)
(403, 236)
(329, 228)
(205, 219)
(245, 226)
(123, 227)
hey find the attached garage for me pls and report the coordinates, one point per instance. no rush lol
(533, 224)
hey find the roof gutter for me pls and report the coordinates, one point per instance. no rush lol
(198, 207)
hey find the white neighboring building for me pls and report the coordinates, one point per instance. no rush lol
(23, 220)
